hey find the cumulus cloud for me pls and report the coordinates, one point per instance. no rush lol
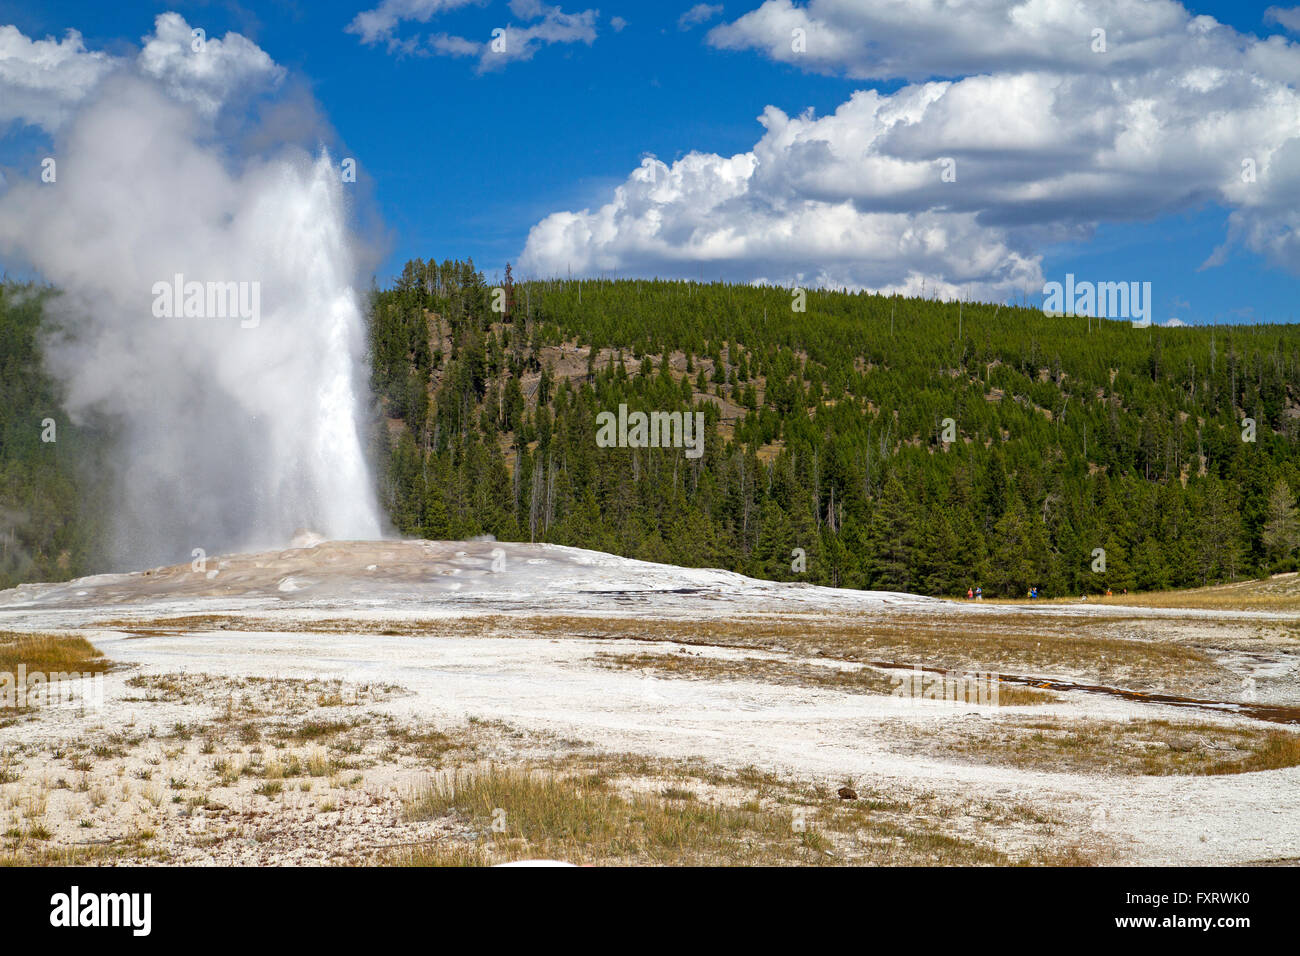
(959, 183)
(922, 39)
(508, 44)
(722, 215)
(43, 80)
(205, 72)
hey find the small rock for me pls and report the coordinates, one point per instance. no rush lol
(847, 793)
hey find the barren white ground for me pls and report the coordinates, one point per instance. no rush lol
(554, 685)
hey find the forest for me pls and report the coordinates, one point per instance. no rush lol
(851, 439)
(48, 523)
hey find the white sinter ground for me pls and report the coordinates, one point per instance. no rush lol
(554, 685)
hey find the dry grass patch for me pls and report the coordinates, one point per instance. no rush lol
(1011, 644)
(426, 744)
(45, 855)
(1279, 593)
(37, 668)
(633, 810)
(1139, 747)
(853, 680)
(241, 698)
(49, 654)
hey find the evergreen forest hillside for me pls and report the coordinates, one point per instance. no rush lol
(853, 440)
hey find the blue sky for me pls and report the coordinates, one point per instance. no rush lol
(465, 162)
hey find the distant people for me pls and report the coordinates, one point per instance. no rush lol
(1124, 591)
(969, 594)
(1109, 592)
(1033, 593)
(979, 594)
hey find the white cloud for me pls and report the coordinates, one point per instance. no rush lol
(733, 217)
(1040, 154)
(1286, 17)
(554, 26)
(205, 72)
(700, 13)
(921, 39)
(445, 44)
(41, 80)
(617, 24)
(382, 22)
(507, 44)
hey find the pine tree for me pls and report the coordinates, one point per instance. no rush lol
(942, 568)
(1012, 570)
(891, 539)
(1281, 532)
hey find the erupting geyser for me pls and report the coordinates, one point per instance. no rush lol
(231, 430)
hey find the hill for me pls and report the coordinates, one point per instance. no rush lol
(850, 439)
(896, 444)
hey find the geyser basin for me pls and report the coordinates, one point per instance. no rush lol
(433, 574)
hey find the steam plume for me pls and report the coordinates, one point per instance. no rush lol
(231, 434)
